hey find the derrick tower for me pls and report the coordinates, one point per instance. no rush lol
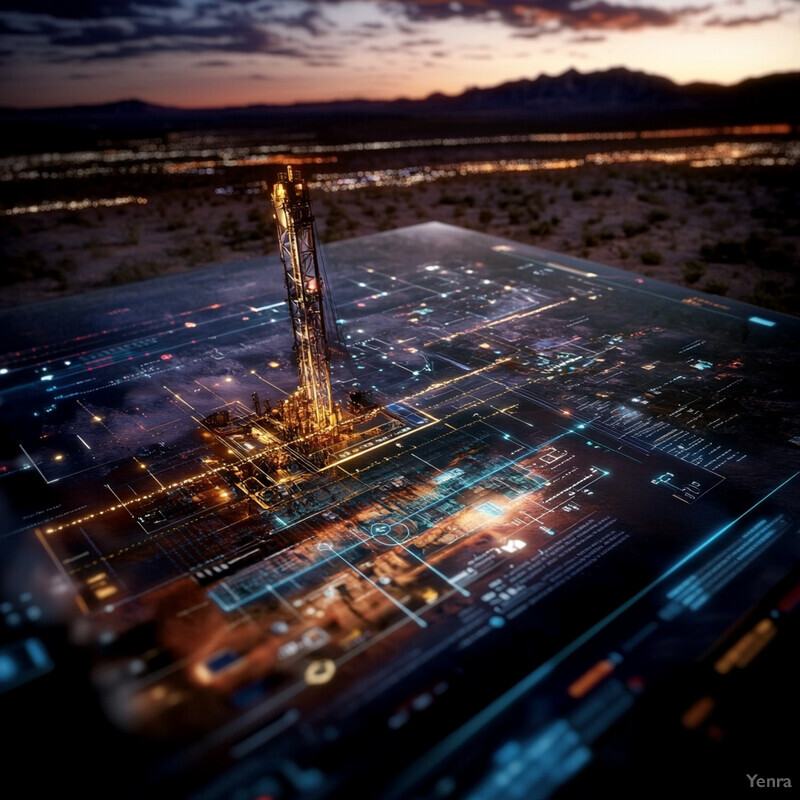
(310, 411)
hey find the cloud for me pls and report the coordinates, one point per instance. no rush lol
(312, 31)
(90, 30)
(89, 9)
(423, 42)
(327, 62)
(588, 38)
(740, 22)
(536, 15)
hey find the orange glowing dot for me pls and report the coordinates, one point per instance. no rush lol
(274, 364)
(190, 324)
(58, 457)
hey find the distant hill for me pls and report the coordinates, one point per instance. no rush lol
(573, 100)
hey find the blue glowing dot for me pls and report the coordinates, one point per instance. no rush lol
(497, 621)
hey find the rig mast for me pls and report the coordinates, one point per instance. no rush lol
(306, 427)
(310, 411)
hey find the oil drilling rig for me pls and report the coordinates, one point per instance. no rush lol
(309, 413)
(308, 421)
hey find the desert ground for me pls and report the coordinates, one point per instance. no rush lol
(732, 231)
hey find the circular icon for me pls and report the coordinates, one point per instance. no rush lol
(389, 534)
(320, 671)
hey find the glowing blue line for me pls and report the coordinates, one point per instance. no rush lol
(506, 700)
(761, 321)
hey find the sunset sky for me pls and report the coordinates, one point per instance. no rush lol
(207, 53)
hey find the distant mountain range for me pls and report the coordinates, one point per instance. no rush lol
(572, 100)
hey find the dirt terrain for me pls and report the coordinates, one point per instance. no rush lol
(732, 231)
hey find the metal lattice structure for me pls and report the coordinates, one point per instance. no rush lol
(312, 408)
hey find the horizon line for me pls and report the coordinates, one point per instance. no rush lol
(399, 99)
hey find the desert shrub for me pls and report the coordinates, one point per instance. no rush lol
(515, 215)
(631, 229)
(578, 195)
(97, 249)
(76, 218)
(196, 251)
(651, 258)
(716, 286)
(778, 258)
(132, 234)
(26, 266)
(725, 251)
(657, 215)
(649, 197)
(228, 227)
(132, 271)
(485, 216)
(590, 239)
(757, 242)
(693, 270)
(67, 263)
(543, 228)
(770, 293)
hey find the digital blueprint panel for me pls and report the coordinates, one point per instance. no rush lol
(584, 478)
